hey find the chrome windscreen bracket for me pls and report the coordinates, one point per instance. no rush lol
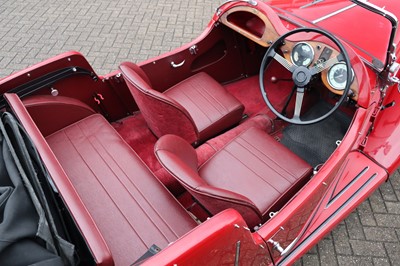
(391, 50)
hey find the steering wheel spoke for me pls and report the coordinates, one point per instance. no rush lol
(285, 63)
(298, 103)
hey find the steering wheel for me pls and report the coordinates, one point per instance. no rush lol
(302, 75)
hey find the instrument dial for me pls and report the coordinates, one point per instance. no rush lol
(337, 76)
(302, 54)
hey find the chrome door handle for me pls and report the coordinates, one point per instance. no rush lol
(177, 65)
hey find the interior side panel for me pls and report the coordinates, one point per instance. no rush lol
(217, 54)
(70, 75)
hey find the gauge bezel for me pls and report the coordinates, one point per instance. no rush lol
(329, 80)
(312, 51)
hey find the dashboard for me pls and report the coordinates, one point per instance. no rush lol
(310, 53)
(255, 25)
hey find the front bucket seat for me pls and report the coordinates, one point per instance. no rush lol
(253, 174)
(195, 109)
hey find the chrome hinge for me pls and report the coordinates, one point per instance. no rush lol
(280, 249)
(276, 245)
(193, 49)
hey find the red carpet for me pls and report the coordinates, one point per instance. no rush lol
(136, 133)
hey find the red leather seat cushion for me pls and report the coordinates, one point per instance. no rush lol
(211, 107)
(131, 208)
(258, 167)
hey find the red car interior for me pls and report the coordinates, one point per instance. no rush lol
(250, 174)
(196, 109)
(135, 165)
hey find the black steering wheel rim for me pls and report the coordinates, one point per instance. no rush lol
(270, 53)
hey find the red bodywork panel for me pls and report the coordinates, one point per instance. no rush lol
(383, 143)
(321, 13)
(215, 242)
(82, 84)
(353, 184)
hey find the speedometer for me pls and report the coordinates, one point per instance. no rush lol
(302, 54)
(337, 76)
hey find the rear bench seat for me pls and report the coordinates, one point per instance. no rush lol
(130, 207)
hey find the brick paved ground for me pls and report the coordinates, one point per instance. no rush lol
(108, 32)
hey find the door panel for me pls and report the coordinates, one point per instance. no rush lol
(217, 54)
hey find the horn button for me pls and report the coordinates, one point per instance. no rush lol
(301, 76)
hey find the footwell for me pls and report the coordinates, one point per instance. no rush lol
(315, 143)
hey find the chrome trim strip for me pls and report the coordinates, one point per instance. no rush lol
(322, 225)
(357, 177)
(311, 4)
(333, 13)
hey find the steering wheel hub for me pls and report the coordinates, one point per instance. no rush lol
(301, 76)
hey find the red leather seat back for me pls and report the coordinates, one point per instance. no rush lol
(195, 109)
(52, 113)
(163, 115)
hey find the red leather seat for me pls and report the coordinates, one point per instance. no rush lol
(130, 207)
(253, 174)
(195, 109)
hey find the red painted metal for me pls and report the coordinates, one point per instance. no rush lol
(81, 87)
(339, 201)
(215, 242)
(351, 24)
(383, 143)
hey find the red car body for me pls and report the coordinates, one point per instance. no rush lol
(366, 157)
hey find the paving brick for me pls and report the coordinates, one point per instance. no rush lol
(354, 227)
(368, 248)
(393, 207)
(387, 192)
(356, 261)
(381, 261)
(377, 202)
(393, 251)
(310, 259)
(380, 234)
(341, 240)
(365, 214)
(326, 252)
(313, 250)
(387, 220)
